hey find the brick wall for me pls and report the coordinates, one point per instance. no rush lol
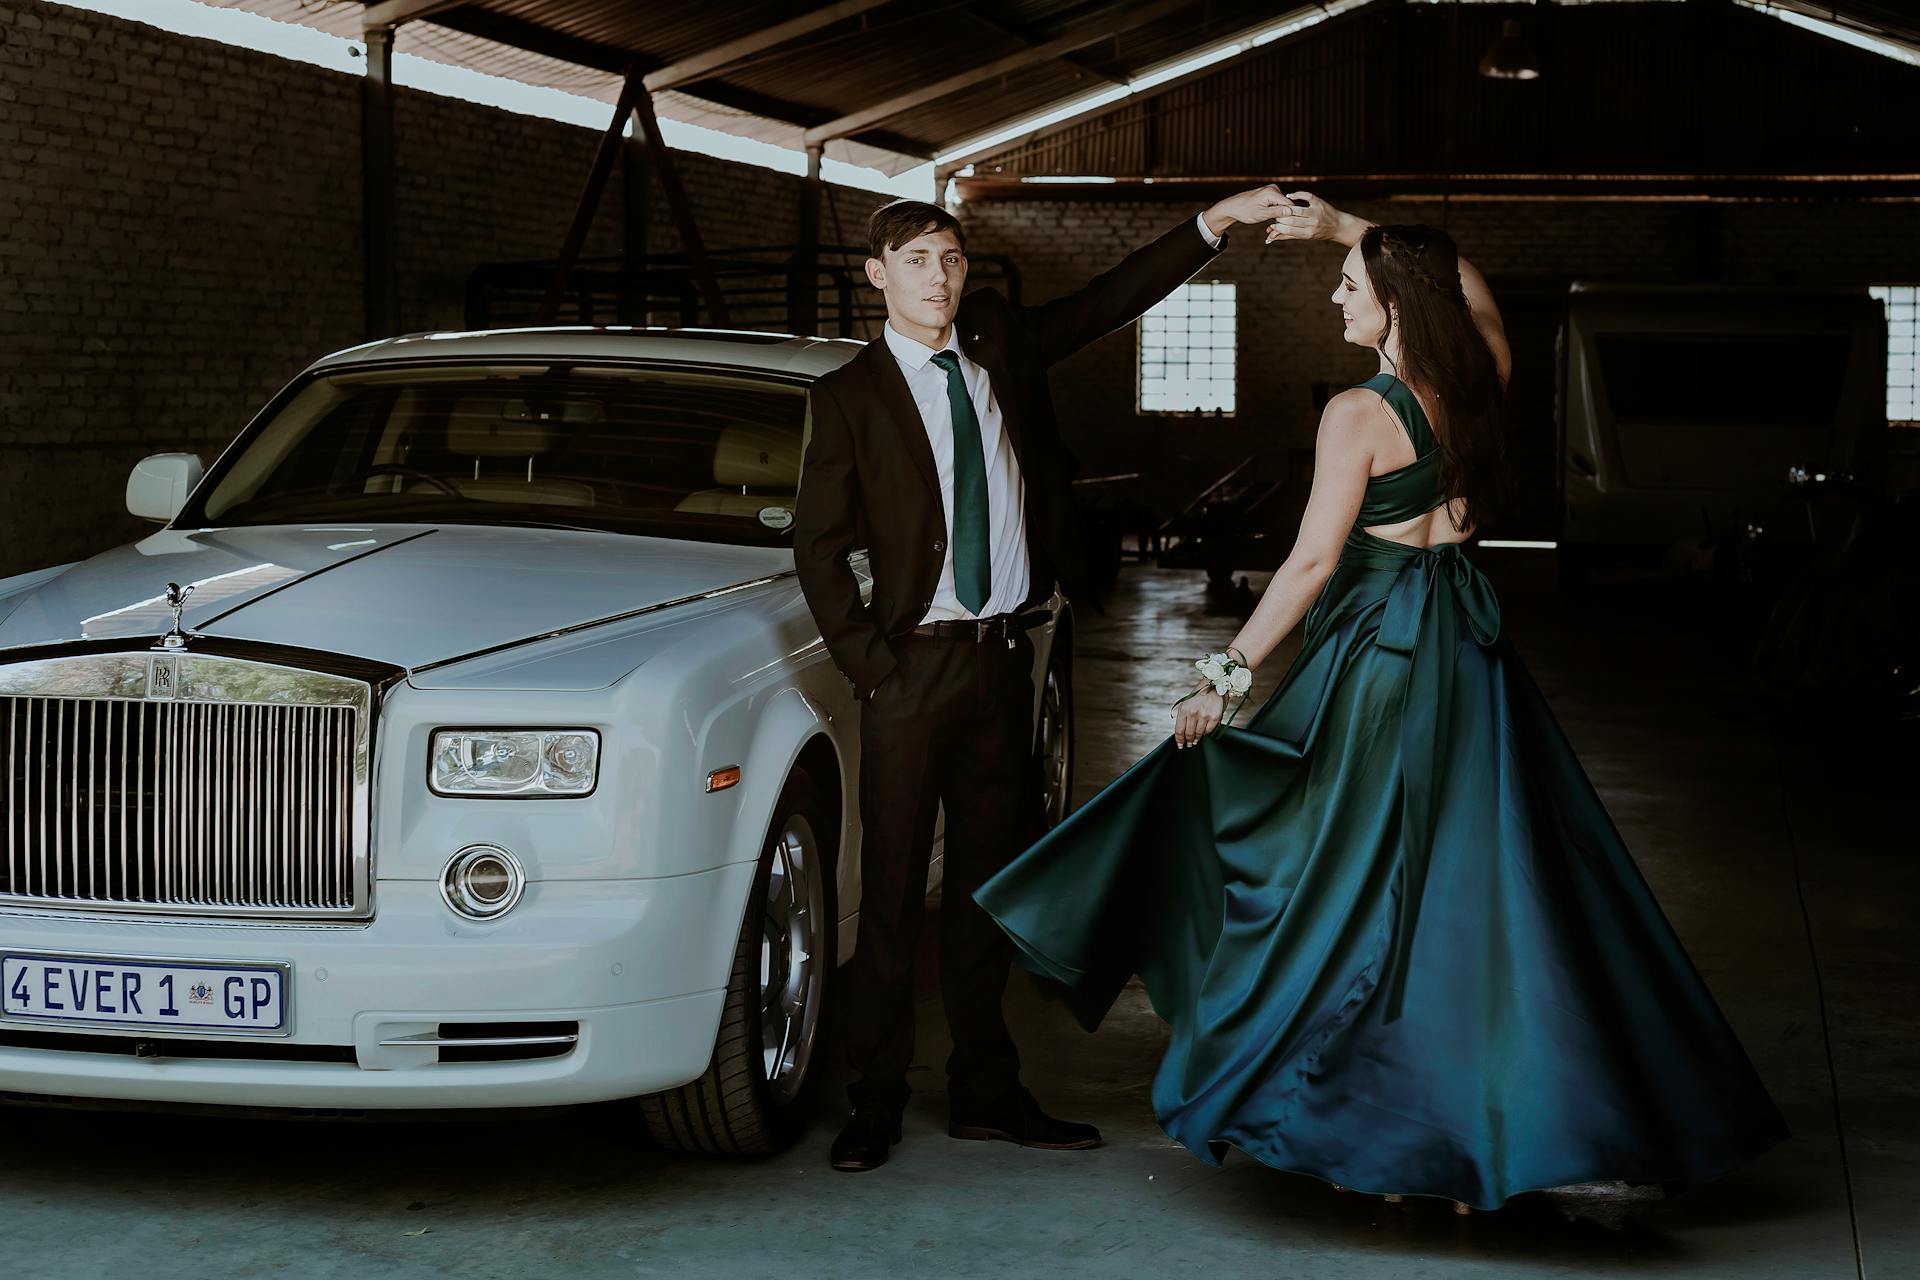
(180, 235)
(149, 293)
(1289, 336)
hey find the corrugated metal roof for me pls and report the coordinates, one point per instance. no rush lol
(892, 49)
(1659, 94)
(1897, 18)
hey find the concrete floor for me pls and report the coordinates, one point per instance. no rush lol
(1735, 817)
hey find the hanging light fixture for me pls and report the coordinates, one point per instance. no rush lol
(1512, 56)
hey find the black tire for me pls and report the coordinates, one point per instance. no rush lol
(1056, 700)
(734, 1109)
(1220, 575)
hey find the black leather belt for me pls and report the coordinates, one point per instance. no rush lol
(1001, 626)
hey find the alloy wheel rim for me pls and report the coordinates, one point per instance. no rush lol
(792, 956)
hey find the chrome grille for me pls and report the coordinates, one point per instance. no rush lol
(220, 786)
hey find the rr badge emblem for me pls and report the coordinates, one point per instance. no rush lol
(163, 678)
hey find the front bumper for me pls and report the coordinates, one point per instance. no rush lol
(640, 965)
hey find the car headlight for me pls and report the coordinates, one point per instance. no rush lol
(514, 762)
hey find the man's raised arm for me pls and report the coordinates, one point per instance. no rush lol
(1121, 294)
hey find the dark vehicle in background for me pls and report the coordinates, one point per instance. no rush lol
(1684, 408)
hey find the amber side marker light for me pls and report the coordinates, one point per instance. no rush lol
(721, 779)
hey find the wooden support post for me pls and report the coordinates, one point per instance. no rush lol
(676, 194)
(381, 297)
(636, 171)
(589, 204)
(803, 269)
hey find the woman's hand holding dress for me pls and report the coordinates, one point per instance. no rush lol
(1198, 715)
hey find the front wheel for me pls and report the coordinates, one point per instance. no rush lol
(760, 1085)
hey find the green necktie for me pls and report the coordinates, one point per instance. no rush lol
(972, 574)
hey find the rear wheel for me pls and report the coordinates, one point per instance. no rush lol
(759, 1087)
(1054, 738)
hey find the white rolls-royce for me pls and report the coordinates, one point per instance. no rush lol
(461, 740)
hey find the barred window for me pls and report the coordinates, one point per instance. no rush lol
(1902, 302)
(1187, 351)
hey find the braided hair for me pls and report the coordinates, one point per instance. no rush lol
(1414, 273)
(1409, 252)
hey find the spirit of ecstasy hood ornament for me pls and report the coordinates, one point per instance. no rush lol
(177, 601)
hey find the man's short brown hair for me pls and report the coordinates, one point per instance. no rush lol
(898, 221)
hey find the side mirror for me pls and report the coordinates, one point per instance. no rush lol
(159, 485)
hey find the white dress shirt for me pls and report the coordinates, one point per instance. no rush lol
(1006, 488)
(1200, 220)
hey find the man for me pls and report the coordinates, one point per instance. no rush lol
(936, 449)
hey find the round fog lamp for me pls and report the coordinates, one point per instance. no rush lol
(482, 881)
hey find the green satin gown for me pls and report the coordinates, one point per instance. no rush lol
(1398, 942)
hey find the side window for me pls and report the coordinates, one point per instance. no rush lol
(1902, 302)
(1187, 350)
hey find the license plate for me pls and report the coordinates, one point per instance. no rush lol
(143, 993)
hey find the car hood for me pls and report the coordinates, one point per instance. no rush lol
(407, 595)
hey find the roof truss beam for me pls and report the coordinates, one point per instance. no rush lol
(702, 65)
(1048, 52)
(474, 20)
(391, 13)
(1026, 37)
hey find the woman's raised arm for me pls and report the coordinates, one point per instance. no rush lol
(1308, 217)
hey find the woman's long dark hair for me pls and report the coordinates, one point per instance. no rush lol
(1414, 272)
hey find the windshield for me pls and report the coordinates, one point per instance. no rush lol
(674, 452)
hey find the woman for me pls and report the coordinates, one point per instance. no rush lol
(1399, 943)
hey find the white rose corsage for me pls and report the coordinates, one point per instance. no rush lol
(1227, 676)
(1224, 674)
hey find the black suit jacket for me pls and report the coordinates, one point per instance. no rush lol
(869, 477)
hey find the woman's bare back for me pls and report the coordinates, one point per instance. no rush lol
(1429, 530)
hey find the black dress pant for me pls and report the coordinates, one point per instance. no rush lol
(953, 724)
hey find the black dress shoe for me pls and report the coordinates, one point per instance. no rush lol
(1017, 1118)
(863, 1144)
